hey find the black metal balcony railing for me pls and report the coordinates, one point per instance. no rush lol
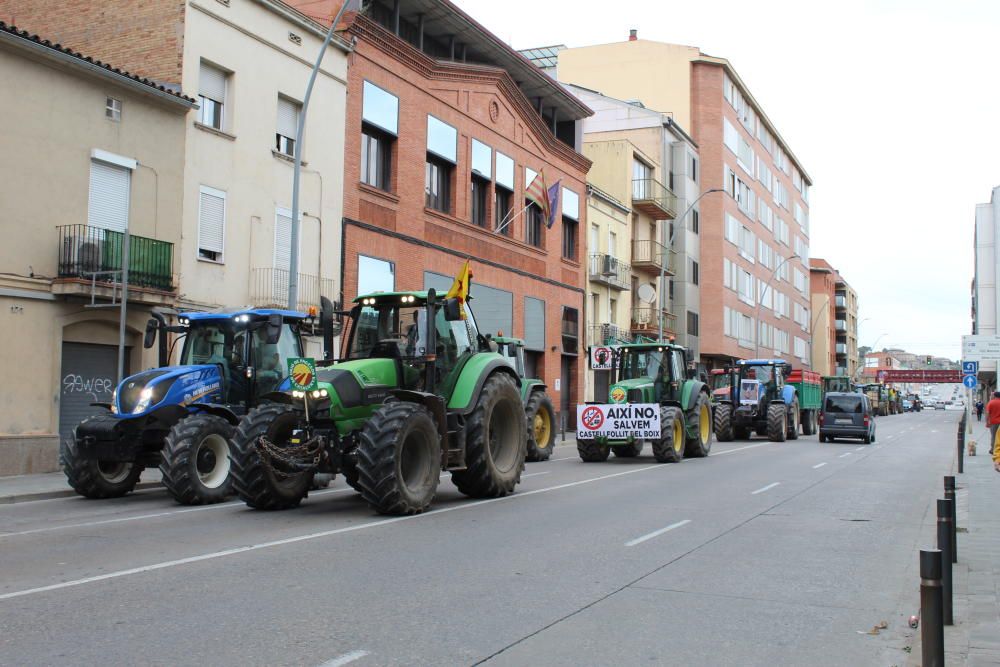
(94, 253)
(654, 199)
(607, 334)
(648, 254)
(610, 270)
(646, 320)
(269, 289)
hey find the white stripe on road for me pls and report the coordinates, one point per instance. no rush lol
(819, 465)
(656, 533)
(765, 488)
(844, 454)
(341, 660)
(859, 449)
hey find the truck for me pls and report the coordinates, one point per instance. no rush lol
(652, 381)
(766, 398)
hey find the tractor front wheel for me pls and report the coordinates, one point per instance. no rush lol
(541, 427)
(399, 459)
(793, 422)
(700, 423)
(670, 447)
(93, 478)
(495, 441)
(196, 465)
(723, 422)
(255, 479)
(777, 421)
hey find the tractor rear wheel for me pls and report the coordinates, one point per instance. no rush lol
(255, 480)
(495, 441)
(399, 458)
(591, 451)
(700, 422)
(777, 422)
(670, 447)
(350, 472)
(723, 422)
(92, 478)
(541, 427)
(793, 422)
(196, 462)
(809, 423)
(629, 451)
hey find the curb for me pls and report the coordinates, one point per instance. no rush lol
(62, 493)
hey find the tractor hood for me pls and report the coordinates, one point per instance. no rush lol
(175, 385)
(353, 385)
(619, 392)
(721, 392)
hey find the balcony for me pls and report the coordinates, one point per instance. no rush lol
(646, 322)
(840, 325)
(95, 254)
(841, 370)
(840, 302)
(650, 255)
(611, 271)
(269, 289)
(606, 334)
(841, 350)
(653, 198)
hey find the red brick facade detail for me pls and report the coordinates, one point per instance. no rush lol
(145, 38)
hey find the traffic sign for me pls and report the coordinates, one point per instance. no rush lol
(970, 367)
(981, 348)
(969, 381)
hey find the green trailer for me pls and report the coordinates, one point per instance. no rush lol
(809, 387)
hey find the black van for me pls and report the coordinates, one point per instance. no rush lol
(846, 415)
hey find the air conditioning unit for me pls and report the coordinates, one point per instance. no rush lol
(609, 267)
(82, 253)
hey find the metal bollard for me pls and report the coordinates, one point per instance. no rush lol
(949, 494)
(944, 537)
(932, 628)
(961, 445)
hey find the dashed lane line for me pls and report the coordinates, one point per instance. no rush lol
(765, 488)
(657, 533)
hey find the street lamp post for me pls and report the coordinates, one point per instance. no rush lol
(666, 249)
(760, 297)
(861, 366)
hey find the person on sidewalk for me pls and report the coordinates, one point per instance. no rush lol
(979, 410)
(993, 417)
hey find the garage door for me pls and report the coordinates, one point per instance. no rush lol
(88, 376)
(493, 308)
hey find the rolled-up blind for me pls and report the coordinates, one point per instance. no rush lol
(212, 83)
(212, 221)
(288, 117)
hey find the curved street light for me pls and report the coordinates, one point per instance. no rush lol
(759, 298)
(666, 248)
(861, 366)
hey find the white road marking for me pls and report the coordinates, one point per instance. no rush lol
(536, 474)
(844, 454)
(341, 660)
(858, 449)
(765, 488)
(819, 465)
(656, 533)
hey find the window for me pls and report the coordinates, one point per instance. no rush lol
(765, 254)
(595, 239)
(780, 194)
(730, 275)
(504, 193)
(642, 174)
(739, 326)
(766, 296)
(670, 289)
(283, 250)
(113, 109)
(212, 83)
(595, 308)
(533, 225)
(764, 175)
(379, 125)
(801, 248)
(766, 335)
(781, 231)
(442, 155)
(570, 221)
(288, 123)
(781, 341)
(747, 290)
(694, 272)
(211, 224)
(570, 331)
(569, 234)
(730, 137)
(733, 229)
(765, 215)
(108, 205)
(799, 280)
(747, 244)
(479, 199)
(612, 244)
(692, 323)
(741, 192)
(375, 275)
(694, 169)
(694, 221)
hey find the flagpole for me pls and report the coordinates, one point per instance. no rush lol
(506, 222)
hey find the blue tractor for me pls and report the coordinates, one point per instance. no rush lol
(760, 400)
(180, 418)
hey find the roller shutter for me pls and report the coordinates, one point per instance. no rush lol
(88, 376)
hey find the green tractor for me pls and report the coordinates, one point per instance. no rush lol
(648, 377)
(419, 392)
(537, 405)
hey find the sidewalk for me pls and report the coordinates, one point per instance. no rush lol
(23, 488)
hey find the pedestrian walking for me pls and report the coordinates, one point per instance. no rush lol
(993, 417)
(979, 410)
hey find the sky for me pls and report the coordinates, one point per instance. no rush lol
(890, 105)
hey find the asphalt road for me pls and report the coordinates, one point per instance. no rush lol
(761, 554)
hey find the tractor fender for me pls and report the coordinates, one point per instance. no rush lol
(529, 387)
(788, 394)
(473, 377)
(690, 392)
(432, 402)
(218, 411)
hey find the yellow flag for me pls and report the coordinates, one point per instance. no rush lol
(460, 288)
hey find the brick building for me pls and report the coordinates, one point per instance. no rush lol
(446, 127)
(835, 321)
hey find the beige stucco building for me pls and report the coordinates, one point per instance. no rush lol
(106, 151)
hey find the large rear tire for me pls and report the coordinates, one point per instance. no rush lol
(777, 421)
(541, 427)
(254, 479)
(196, 460)
(591, 451)
(495, 441)
(809, 423)
(399, 459)
(92, 478)
(793, 421)
(629, 451)
(723, 422)
(700, 422)
(670, 447)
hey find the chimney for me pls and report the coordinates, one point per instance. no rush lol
(633, 35)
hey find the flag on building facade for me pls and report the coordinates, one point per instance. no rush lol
(538, 194)
(553, 199)
(460, 288)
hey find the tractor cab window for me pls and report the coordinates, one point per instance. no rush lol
(220, 345)
(390, 330)
(645, 363)
(270, 360)
(455, 344)
(763, 374)
(677, 364)
(720, 381)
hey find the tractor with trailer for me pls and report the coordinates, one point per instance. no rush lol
(650, 374)
(181, 417)
(878, 396)
(537, 404)
(419, 392)
(770, 399)
(838, 383)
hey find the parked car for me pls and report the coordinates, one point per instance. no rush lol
(846, 416)
(907, 405)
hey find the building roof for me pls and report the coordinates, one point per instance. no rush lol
(11, 34)
(544, 57)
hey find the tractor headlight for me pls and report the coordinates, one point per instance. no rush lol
(144, 398)
(320, 393)
(298, 394)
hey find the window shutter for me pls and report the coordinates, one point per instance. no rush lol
(288, 117)
(212, 83)
(282, 239)
(534, 324)
(212, 221)
(107, 207)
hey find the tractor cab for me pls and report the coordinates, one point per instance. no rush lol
(511, 349)
(760, 381)
(648, 373)
(721, 383)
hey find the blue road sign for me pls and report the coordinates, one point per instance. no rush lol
(969, 381)
(970, 367)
